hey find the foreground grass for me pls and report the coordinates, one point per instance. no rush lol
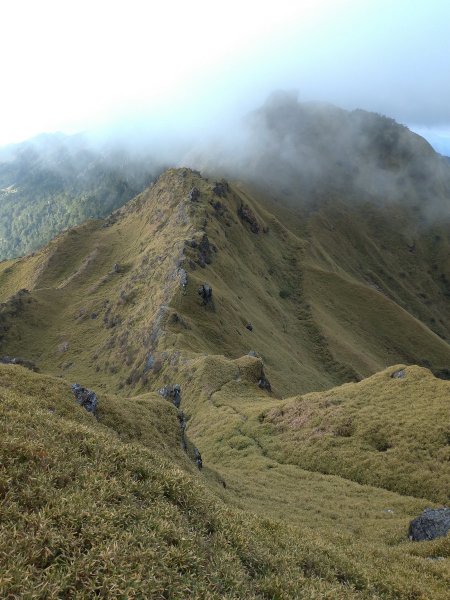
(83, 514)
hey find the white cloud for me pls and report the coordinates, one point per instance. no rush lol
(69, 65)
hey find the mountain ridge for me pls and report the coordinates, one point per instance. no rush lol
(293, 331)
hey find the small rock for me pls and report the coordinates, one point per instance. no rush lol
(198, 458)
(194, 194)
(249, 326)
(86, 398)
(431, 524)
(205, 292)
(400, 374)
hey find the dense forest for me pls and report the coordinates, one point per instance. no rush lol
(57, 181)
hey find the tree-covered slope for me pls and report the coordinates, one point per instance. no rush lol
(56, 181)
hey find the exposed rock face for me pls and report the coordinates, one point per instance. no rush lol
(221, 188)
(194, 194)
(264, 383)
(198, 458)
(86, 398)
(9, 360)
(432, 523)
(183, 276)
(149, 363)
(247, 215)
(205, 292)
(173, 393)
(205, 251)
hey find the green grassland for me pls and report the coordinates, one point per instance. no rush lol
(307, 490)
(90, 508)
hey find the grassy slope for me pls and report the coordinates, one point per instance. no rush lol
(392, 433)
(325, 326)
(316, 321)
(84, 512)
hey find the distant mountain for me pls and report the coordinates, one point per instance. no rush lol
(56, 181)
(306, 153)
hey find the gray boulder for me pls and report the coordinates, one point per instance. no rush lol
(86, 398)
(400, 374)
(431, 524)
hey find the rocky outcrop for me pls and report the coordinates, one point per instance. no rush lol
(86, 398)
(194, 194)
(221, 188)
(9, 360)
(431, 524)
(172, 393)
(264, 383)
(205, 293)
(246, 214)
(202, 250)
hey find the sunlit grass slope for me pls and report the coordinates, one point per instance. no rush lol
(89, 509)
(107, 304)
(388, 432)
(309, 496)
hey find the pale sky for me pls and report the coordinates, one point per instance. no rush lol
(75, 65)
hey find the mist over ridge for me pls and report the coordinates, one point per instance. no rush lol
(306, 152)
(302, 154)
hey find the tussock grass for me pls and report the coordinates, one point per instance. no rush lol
(84, 513)
(387, 432)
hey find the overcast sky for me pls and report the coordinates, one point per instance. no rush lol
(73, 65)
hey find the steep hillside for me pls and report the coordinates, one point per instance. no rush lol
(372, 201)
(294, 330)
(115, 302)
